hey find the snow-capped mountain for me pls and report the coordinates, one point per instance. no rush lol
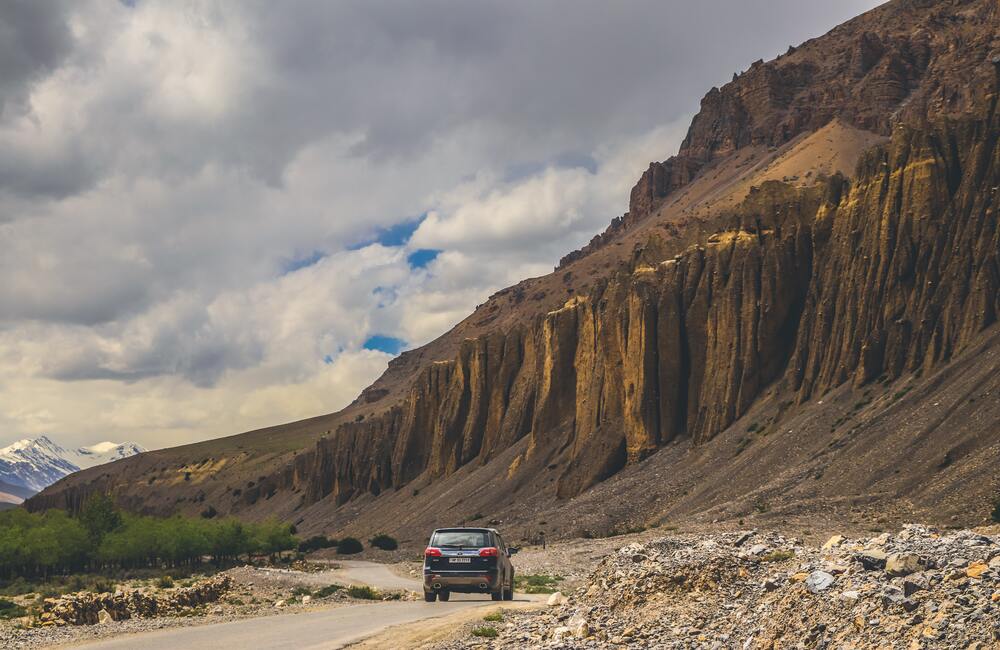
(37, 463)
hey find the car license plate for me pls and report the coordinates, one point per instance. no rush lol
(457, 560)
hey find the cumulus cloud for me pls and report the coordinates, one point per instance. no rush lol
(194, 198)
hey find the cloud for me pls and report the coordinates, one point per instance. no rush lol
(208, 210)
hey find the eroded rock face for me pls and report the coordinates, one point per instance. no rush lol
(891, 273)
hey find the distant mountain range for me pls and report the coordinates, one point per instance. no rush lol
(29, 466)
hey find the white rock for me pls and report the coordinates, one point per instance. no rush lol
(556, 599)
(850, 596)
(819, 581)
(306, 600)
(279, 603)
(104, 617)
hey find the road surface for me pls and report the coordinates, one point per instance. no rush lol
(332, 628)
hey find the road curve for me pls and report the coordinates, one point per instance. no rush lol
(325, 629)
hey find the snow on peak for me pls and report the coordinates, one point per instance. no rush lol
(39, 462)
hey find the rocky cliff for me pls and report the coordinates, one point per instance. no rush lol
(801, 288)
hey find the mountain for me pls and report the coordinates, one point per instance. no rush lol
(796, 317)
(33, 464)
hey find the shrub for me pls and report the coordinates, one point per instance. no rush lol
(349, 546)
(10, 609)
(364, 592)
(165, 582)
(494, 617)
(328, 590)
(536, 584)
(486, 632)
(384, 542)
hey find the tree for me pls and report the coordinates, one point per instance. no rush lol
(100, 516)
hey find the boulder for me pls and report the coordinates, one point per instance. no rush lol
(903, 564)
(104, 617)
(819, 581)
(578, 626)
(556, 599)
(872, 560)
(833, 542)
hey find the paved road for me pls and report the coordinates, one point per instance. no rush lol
(332, 628)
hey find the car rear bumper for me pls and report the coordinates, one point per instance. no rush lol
(461, 581)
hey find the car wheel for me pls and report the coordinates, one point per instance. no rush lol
(430, 596)
(497, 595)
(444, 596)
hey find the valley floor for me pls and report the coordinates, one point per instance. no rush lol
(914, 587)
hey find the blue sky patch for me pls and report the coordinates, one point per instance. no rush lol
(387, 344)
(395, 235)
(418, 259)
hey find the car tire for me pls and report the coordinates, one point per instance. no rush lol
(430, 596)
(508, 593)
(497, 595)
(444, 596)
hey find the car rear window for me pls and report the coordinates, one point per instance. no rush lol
(461, 538)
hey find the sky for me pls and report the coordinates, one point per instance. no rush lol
(217, 216)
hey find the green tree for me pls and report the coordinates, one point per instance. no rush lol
(100, 516)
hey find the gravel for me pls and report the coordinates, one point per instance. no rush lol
(764, 590)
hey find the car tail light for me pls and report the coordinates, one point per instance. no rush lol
(430, 551)
(488, 552)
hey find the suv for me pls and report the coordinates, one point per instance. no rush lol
(468, 561)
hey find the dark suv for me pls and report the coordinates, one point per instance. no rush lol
(468, 561)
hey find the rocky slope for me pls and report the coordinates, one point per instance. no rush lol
(722, 294)
(917, 588)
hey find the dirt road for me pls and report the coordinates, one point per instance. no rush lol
(331, 628)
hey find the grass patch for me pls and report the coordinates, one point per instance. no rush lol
(165, 582)
(778, 556)
(494, 617)
(302, 591)
(486, 632)
(536, 583)
(364, 593)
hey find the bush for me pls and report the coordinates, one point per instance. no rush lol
(165, 582)
(364, 593)
(485, 632)
(778, 556)
(383, 542)
(494, 617)
(349, 546)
